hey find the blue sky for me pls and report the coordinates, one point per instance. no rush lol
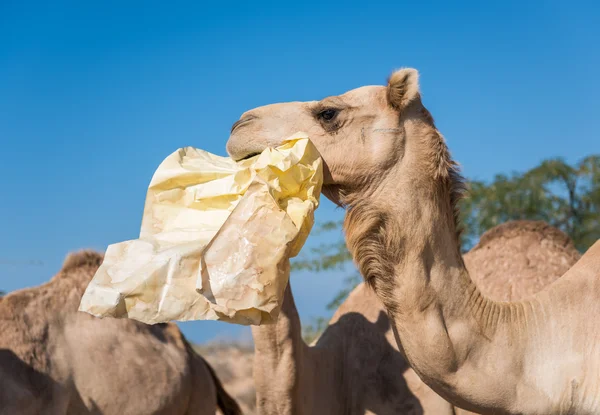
(93, 95)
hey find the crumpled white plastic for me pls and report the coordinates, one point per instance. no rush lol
(215, 240)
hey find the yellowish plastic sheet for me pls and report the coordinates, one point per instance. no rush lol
(215, 240)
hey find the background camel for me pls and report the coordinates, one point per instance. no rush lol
(56, 360)
(353, 368)
(390, 167)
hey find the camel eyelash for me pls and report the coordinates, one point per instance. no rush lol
(317, 111)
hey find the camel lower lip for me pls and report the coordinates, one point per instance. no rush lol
(249, 156)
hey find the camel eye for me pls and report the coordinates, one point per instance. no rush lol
(328, 114)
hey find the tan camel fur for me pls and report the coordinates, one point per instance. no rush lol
(359, 343)
(390, 168)
(55, 360)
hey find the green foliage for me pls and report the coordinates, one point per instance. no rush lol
(326, 256)
(566, 196)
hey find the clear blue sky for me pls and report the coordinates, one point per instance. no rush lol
(93, 95)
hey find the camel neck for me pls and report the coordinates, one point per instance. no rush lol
(279, 355)
(290, 377)
(412, 261)
(412, 250)
(283, 339)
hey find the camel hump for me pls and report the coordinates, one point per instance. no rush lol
(519, 258)
(519, 228)
(82, 259)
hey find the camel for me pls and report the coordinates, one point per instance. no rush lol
(56, 360)
(353, 367)
(400, 187)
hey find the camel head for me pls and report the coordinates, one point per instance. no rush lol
(370, 138)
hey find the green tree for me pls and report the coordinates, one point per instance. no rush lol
(566, 196)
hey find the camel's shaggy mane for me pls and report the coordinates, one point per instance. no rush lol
(371, 233)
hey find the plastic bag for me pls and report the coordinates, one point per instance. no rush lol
(215, 240)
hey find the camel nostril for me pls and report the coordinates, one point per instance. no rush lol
(242, 121)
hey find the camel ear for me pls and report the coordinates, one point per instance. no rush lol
(403, 88)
